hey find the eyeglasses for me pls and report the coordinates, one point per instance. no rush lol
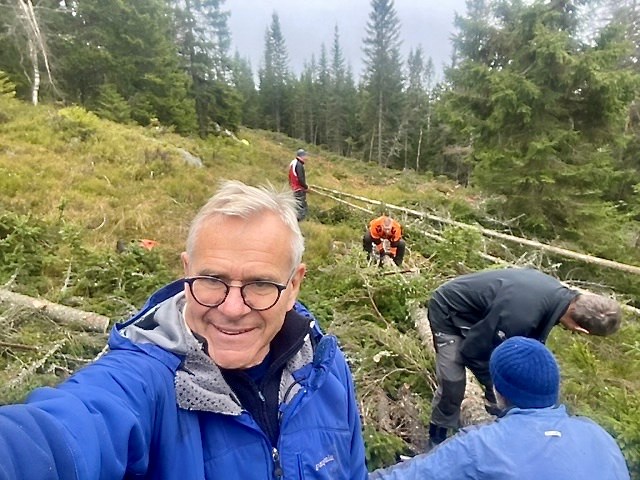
(212, 292)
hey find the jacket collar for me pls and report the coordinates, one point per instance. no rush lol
(199, 382)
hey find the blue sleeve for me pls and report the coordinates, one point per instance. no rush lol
(358, 462)
(414, 468)
(96, 425)
(27, 449)
(451, 460)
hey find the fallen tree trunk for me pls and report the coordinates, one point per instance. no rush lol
(560, 251)
(58, 313)
(491, 233)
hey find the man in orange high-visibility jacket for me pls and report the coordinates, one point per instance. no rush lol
(385, 228)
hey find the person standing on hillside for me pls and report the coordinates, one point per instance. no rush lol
(222, 374)
(472, 314)
(298, 182)
(384, 228)
(534, 439)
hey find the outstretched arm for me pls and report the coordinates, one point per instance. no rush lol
(96, 425)
(452, 460)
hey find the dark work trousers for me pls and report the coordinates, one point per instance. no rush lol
(452, 381)
(301, 198)
(368, 241)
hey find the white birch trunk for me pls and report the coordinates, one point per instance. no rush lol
(35, 81)
(36, 46)
(418, 152)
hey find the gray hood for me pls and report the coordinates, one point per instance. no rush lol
(163, 326)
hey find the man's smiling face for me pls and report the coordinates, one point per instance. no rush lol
(240, 250)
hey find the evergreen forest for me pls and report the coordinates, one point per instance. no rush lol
(117, 119)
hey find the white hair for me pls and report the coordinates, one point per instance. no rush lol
(236, 199)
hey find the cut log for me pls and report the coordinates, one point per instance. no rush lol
(58, 313)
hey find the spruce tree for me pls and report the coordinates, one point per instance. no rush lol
(274, 76)
(383, 80)
(542, 111)
(243, 81)
(129, 47)
(417, 107)
(341, 100)
(203, 40)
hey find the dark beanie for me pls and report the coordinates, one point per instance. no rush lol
(525, 372)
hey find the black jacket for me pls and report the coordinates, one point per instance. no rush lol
(489, 306)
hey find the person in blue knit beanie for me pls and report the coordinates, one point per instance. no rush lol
(525, 374)
(535, 438)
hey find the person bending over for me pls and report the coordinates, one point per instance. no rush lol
(472, 314)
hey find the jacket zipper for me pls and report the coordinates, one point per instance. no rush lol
(277, 468)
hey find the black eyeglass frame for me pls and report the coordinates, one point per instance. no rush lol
(281, 288)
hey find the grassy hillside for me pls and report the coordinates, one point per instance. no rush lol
(72, 186)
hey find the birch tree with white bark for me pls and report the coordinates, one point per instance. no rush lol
(24, 24)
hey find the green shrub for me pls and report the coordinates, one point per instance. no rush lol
(382, 448)
(459, 249)
(47, 259)
(111, 105)
(28, 251)
(76, 122)
(117, 284)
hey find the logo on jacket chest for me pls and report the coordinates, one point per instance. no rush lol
(323, 463)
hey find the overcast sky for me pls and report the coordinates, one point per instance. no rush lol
(306, 24)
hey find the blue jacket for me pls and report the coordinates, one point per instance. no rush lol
(532, 444)
(120, 417)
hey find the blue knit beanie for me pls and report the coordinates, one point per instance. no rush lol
(525, 372)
